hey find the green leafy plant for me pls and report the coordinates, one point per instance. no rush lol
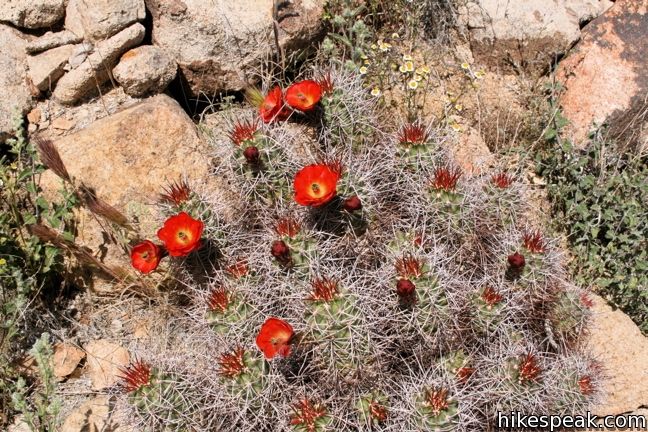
(40, 411)
(28, 265)
(599, 199)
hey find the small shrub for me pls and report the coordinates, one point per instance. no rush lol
(599, 200)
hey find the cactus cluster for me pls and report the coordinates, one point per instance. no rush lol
(362, 282)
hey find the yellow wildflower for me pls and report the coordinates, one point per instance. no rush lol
(363, 70)
(375, 91)
(384, 46)
(465, 65)
(412, 84)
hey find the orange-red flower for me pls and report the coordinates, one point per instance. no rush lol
(304, 95)
(275, 337)
(272, 108)
(146, 256)
(181, 234)
(316, 184)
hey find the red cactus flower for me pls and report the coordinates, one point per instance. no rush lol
(136, 375)
(413, 134)
(238, 269)
(502, 180)
(244, 130)
(306, 415)
(218, 300)
(409, 267)
(316, 184)
(491, 297)
(146, 256)
(528, 369)
(352, 204)
(287, 227)
(516, 261)
(585, 385)
(324, 289)
(534, 242)
(436, 400)
(176, 193)
(272, 108)
(181, 234)
(232, 364)
(274, 338)
(304, 95)
(446, 178)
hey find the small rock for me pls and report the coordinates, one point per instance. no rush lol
(66, 359)
(95, 70)
(62, 123)
(622, 350)
(47, 67)
(101, 19)
(144, 70)
(605, 77)
(52, 40)
(32, 14)
(105, 359)
(16, 98)
(34, 116)
(91, 416)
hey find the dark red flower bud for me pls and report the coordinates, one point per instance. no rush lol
(352, 203)
(280, 250)
(516, 261)
(405, 288)
(251, 154)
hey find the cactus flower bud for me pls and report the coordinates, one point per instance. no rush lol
(352, 204)
(405, 288)
(280, 251)
(251, 154)
(516, 261)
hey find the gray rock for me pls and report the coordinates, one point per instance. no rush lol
(16, 98)
(95, 69)
(32, 14)
(218, 47)
(47, 67)
(99, 19)
(526, 34)
(52, 40)
(144, 70)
